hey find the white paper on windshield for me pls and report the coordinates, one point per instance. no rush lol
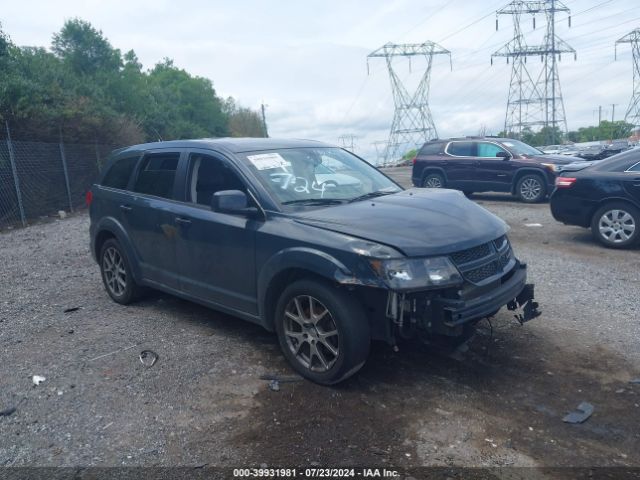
(266, 161)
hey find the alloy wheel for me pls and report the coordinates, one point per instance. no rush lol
(433, 182)
(115, 273)
(616, 226)
(530, 189)
(311, 333)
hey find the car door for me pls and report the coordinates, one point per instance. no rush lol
(149, 214)
(632, 181)
(460, 164)
(495, 172)
(216, 251)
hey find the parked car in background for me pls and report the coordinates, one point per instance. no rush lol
(605, 197)
(328, 269)
(488, 164)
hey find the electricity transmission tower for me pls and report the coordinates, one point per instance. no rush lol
(535, 97)
(412, 121)
(633, 112)
(380, 146)
(347, 141)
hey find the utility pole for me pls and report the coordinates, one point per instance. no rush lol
(412, 122)
(632, 115)
(599, 115)
(264, 120)
(613, 114)
(535, 100)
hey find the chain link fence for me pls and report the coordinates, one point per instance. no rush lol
(39, 179)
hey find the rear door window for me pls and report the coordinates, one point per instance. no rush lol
(157, 174)
(119, 173)
(462, 149)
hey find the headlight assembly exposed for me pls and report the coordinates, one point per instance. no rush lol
(413, 273)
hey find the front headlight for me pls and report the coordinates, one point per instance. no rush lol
(412, 273)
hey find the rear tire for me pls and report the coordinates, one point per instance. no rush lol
(616, 224)
(116, 273)
(323, 331)
(433, 180)
(531, 188)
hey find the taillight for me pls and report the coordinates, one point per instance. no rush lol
(413, 160)
(88, 198)
(565, 182)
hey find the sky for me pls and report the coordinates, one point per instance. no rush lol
(307, 59)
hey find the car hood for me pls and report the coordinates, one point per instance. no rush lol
(556, 159)
(418, 222)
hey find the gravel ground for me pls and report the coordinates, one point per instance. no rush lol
(203, 402)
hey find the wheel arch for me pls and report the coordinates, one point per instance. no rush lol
(427, 170)
(111, 228)
(293, 264)
(601, 203)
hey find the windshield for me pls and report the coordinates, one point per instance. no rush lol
(521, 148)
(317, 176)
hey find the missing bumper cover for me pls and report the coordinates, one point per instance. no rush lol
(524, 301)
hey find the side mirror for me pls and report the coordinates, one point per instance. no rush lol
(231, 201)
(503, 155)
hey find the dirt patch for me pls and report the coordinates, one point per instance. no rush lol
(501, 408)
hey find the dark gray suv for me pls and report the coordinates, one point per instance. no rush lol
(305, 239)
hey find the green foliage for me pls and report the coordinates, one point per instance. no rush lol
(91, 92)
(243, 122)
(410, 154)
(605, 131)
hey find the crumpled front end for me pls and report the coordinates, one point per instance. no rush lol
(492, 278)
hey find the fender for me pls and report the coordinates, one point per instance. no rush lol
(316, 261)
(113, 226)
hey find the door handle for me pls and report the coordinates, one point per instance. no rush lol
(183, 221)
(125, 208)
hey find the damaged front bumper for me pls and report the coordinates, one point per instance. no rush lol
(451, 312)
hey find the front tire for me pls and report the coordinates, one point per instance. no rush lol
(433, 180)
(116, 273)
(531, 188)
(615, 225)
(323, 331)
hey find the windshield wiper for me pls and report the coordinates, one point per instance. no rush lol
(314, 201)
(377, 193)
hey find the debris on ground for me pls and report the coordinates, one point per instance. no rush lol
(62, 214)
(148, 358)
(532, 224)
(7, 411)
(274, 386)
(635, 380)
(37, 379)
(581, 414)
(71, 309)
(111, 353)
(281, 378)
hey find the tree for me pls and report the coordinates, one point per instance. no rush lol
(85, 49)
(243, 122)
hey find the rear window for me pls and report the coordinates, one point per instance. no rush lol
(157, 174)
(119, 173)
(431, 148)
(461, 149)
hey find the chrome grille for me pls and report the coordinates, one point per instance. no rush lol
(480, 263)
